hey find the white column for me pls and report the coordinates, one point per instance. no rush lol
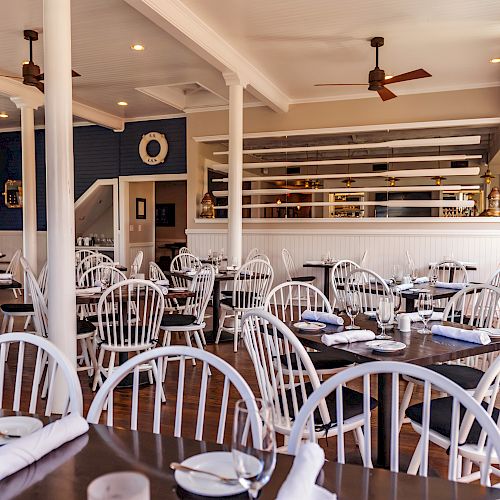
(30, 251)
(60, 189)
(235, 174)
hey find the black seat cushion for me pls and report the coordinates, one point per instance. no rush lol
(17, 308)
(352, 405)
(95, 319)
(242, 298)
(303, 278)
(465, 376)
(320, 360)
(177, 320)
(84, 326)
(440, 419)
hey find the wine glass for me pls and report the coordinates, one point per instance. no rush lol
(397, 273)
(352, 308)
(384, 314)
(425, 308)
(105, 277)
(253, 449)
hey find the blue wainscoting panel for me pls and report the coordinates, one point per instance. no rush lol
(99, 154)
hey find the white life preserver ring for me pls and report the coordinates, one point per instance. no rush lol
(143, 145)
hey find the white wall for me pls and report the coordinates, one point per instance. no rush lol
(10, 241)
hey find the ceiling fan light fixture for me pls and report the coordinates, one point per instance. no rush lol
(137, 47)
(25, 62)
(495, 60)
(122, 103)
(3, 114)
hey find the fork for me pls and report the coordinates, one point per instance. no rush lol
(185, 468)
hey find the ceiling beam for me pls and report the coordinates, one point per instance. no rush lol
(421, 172)
(384, 127)
(174, 17)
(34, 98)
(465, 140)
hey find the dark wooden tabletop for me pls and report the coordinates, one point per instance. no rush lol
(421, 349)
(94, 298)
(9, 286)
(328, 265)
(66, 472)
(220, 276)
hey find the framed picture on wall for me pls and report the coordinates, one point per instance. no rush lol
(140, 208)
(165, 215)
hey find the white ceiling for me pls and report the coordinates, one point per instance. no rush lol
(295, 43)
(301, 42)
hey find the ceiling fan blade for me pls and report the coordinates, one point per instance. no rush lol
(12, 76)
(386, 94)
(411, 75)
(74, 74)
(41, 87)
(338, 84)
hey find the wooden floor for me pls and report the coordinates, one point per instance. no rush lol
(241, 361)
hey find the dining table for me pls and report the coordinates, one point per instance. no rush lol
(326, 266)
(66, 472)
(423, 350)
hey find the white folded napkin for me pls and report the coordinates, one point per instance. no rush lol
(187, 269)
(163, 282)
(88, 291)
(324, 317)
(5, 276)
(494, 332)
(404, 286)
(20, 453)
(347, 337)
(453, 286)
(314, 262)
(474, 336)
(436, 316)
(422, 279)
(300, 483)
(388, 281)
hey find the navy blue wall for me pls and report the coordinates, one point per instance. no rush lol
(99, 154)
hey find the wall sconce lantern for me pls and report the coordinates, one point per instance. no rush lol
(487, 176)
(207, 207)
(493, 209)
(13, 194)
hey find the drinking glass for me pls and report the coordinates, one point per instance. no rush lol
(433, 277)
(106, 277)
(352, 308)
(396, 304)
(384, 314)
(425, 308)
(253, 449)
(397, 273)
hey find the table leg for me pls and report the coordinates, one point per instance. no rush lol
(216, 306)
(384, 421)
(326, 282)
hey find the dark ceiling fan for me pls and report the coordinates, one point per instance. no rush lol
(31, 71)
(376, 78)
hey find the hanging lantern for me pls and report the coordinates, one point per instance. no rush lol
(207, 207)
(438, 180)
(278, 201)
(392, 181)
(493, 209)
(348, 182)
(487, 176)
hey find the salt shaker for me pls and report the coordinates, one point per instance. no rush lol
(404, 323)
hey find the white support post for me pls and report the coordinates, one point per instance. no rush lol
(30, 251)
(235, 173)
(60, 188)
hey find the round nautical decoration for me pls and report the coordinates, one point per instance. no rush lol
(159, 154)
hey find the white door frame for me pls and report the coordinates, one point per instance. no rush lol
(124, 219)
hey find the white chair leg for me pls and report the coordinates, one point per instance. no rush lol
(202, 335)
(415, 459)
(222, 318)
(98, 373)
(4, 323)
(187, 335)
(360, 441)
(27, 322)
(236, 332)
(405, 402)
(93, 359)
(10, 326)
(199, 344)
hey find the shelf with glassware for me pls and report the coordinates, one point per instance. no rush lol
(347, 210)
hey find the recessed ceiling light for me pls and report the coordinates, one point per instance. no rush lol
(495, 60)
(3, 114)
(137, 46)
(122, 103)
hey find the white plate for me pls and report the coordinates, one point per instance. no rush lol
(386, 345)
(18, 426)
(494, 333)
(309, 325)
(177, 289)
(218, 462)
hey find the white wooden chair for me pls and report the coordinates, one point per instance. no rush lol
(252, 254)
(231, 379)
(292, 273)
(287, 302)
(155, 272)
(20, 379)
(364, 259)
(336, 387)
(135, 268)
(180, 263)
(338, 276)
(477, 306)
(139, 305)
(251, 286)
(450, 271)
(495, 278)
(184, 250)
(192, 321)
(82, 253)
(369, 287)
(90, 261)
(286, 386)
(13, 268)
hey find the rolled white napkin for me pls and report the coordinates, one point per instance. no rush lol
(187, 269)
(474, 336)
(422, 279)
(495, 332)
(324, 317)
(436, 316)
(347, 337)
(314, 262)
(453, 286)
(300, 483)
(404, 286)
(163, 282)
(5, 276)
(88, 291)
(20, 453)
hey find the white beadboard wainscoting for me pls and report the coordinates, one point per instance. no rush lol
(10, 241)
(386, 245)
(148, 248)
